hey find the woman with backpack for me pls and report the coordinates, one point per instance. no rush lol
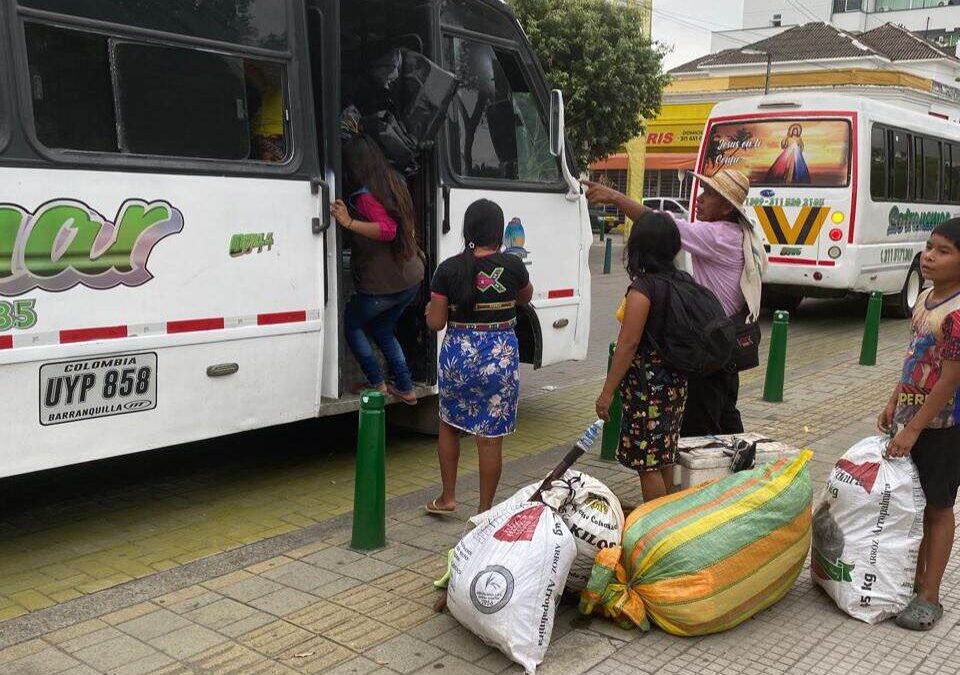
(728, 259)
(653, 394)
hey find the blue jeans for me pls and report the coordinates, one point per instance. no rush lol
(378, 315)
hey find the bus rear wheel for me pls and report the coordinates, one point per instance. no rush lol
(775, 300)
(901, 305)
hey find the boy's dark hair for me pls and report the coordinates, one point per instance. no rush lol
(950, 230)
(654, 243)
(482, 227)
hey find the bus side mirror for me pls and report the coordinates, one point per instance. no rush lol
(557, 134)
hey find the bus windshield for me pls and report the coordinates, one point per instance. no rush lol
(781, 152)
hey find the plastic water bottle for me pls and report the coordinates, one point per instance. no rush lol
(590, 436)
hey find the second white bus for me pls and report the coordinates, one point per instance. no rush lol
(845, 190)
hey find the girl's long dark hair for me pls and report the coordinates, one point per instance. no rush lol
(482, 227)
(369, 168)
(654, 243)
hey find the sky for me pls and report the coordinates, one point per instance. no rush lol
(685, 26)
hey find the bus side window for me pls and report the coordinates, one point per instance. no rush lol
(878, 163)
(181, 102)
(163, 100)
(916, 193)
(70, 89)
(931, 170)
(954, 173)
(495, 126)
(899, 153)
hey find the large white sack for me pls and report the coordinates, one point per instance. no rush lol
(589, 509)
(506, 577)
(867, 529)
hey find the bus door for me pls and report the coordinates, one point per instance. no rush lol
(323, 37)
(497, 146)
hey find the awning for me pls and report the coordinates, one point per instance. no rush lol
(618, 162)
(672, 160)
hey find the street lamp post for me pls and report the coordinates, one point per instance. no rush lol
(759, 52)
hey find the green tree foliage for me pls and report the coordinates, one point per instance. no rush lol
(610, 74)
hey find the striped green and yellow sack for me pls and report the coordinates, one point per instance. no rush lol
(708, 558)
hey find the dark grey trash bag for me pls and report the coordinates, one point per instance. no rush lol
(428, 90)
(398, 146)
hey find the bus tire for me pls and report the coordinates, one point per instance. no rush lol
(778, 300)
(900, 305)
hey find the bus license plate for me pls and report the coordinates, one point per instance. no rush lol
(84, 389)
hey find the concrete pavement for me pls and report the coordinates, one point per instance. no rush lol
(296, 599)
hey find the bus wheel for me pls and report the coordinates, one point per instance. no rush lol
(901, 304)
(778, 300)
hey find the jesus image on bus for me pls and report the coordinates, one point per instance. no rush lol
(790, 167)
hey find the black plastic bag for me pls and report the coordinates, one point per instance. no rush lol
(428, 90)
(398, 146)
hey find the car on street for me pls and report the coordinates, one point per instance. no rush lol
(671, 204)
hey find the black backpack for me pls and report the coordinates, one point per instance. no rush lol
(698, 337)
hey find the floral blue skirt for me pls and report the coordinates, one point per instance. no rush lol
(480, 381)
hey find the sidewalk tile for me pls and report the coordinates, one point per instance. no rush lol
(186, 642)
(114, 653)
(154, 625)
(334, 558)
(225, 580)
(495, 662)
(148, 664)
(73, 632)
(450, 665)
(270, 564)
(250, 589)
(302, 576)
(283, 601)
(274, 638)
(355, 666)
(403, 654)
(433, 627)
(462, 643)
(129, 613)
(89, 638)
(47, 660)
(315, 656)
(231, 658)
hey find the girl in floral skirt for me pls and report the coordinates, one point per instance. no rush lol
(474, 295)
(653, 395)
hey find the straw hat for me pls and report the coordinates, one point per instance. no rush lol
(732, 185)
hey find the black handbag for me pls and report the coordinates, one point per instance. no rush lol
(746, 347)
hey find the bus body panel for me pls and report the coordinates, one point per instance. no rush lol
(879, 239)
(553, 228)
(190, 406)
(230, 273)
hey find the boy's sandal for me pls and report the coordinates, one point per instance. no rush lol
(920, 615)
(431, 507)
(361, 387)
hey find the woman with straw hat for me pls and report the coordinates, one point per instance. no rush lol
(728, 259)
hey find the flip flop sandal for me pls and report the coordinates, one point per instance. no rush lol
(431, 507)
(920, 615)
(408, 397)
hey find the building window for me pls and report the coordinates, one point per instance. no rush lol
(899, 154)
(841, 6)
(776, 21)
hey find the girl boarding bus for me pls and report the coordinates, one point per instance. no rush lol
(168, 268)
(845, 190)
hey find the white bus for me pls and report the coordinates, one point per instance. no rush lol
(845, 190)
(168, 268)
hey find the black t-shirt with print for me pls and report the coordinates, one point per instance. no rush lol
(500, 277)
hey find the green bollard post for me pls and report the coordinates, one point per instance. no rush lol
(603, 229)
(777, 361)
(369, 493)
(871, 330)
(608, 256)
(611, 429)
